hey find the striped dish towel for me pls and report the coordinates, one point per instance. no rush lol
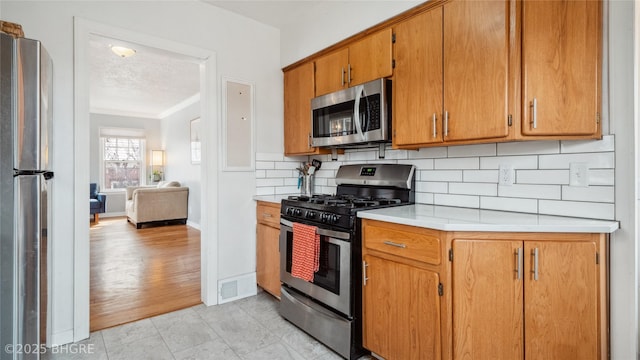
(306, 251)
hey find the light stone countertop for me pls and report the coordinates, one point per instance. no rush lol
(465, 219)
(271, 198)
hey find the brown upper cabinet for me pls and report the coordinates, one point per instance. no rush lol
(366, 59)
(561, 65)
(469, 72)
(454, 75)
(298, 92)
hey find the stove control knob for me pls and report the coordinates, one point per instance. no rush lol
(324, 217)
(297, 212)
(335, 218)
(289, 211)
(310, 214)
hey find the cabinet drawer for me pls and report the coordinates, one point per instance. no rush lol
(268, 214)
(406, 241)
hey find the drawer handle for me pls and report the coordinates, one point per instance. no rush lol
(267, 215)
(391, 243)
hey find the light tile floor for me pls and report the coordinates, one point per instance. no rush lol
(249, 328)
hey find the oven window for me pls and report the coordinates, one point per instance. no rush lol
(328, 274)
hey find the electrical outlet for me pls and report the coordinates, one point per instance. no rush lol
(578, 174)
(505, 175)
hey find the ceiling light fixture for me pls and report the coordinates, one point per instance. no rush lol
(122, 51)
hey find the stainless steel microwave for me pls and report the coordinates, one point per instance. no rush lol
(353, 116)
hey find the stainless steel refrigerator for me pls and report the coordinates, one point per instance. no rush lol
(25, 173)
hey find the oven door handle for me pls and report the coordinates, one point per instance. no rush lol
(320, 231)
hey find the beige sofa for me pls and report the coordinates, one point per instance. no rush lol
(164, 203)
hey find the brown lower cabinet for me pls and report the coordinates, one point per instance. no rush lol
(267, 247)
(496, 295)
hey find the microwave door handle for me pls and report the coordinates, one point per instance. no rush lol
(356, 110)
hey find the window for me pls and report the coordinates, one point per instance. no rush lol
(122, 161)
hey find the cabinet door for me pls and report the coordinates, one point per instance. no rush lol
(401, 313)
(487, 299)
(417, 87)
(332, 72)
(370, 58)
(561, 45)
(298, 92)
(476, 69)
(268, 259)
(561, 306)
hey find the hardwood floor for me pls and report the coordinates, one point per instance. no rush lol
(136, 274)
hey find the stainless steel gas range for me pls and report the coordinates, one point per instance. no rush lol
(329, 307)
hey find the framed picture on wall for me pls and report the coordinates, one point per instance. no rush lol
(196, 144)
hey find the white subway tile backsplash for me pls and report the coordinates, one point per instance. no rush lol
(287, 190)
(483, 176)
(382, 161)
(509, 204)
(265, 191)
(432, 187)
(473, 189)
(601, 194)
(424, 198)
(472, 150)
(518, 162)
(424, 164)
(542, 177)
(281, 173)
(292, 181)
(604, 160)
(528, 148)
(467, 175)
(320, 181)
(269, 182)
(601, 177)
(395, 154)
(456, 200)
(587, 146)
(583, 209)
(289, 165)
(531, 191)
(457, 163)
(441, 175)
(427, 153)
(265, 165)
(362, 155)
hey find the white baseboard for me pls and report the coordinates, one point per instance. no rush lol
(61, 338)
(113, 214)
(237, 288)
(193, 224)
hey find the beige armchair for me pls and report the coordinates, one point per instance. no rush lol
(164, 203)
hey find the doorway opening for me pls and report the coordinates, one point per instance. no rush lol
(142, 105)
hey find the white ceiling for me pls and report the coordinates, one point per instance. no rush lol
(279, 13)
(153, 83)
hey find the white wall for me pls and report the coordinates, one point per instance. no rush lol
(244, 49)
(176, 142)
(306, 34)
